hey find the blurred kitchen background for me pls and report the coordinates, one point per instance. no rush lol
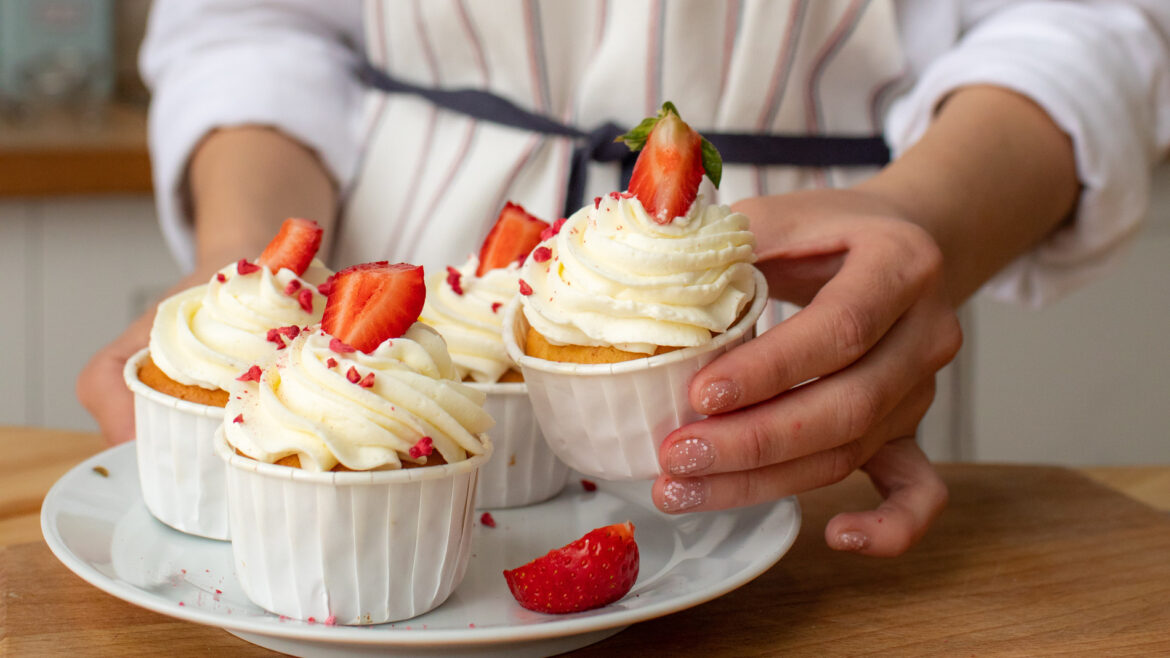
(1085, 381)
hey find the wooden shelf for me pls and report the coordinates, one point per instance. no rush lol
(66, 156)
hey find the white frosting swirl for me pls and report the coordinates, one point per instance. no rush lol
(617, 278)
(468, 321)
(207, 335)
(306, 405)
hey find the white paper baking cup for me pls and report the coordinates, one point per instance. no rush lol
(183, 483)
(525, 470)
(607, 420)
(353, 547)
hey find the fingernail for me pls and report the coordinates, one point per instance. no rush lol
(682, 495)
(689, 455)
(718, 395)
(851, 541)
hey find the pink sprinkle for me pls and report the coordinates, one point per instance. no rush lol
(244, 267)
(423, 448)
(337, 346)
(253, 375)
(331, 620)
(220, 277)
(283, 618)
(352, 375)
(596, 202)
(292, 287)
(588, 485)
(555, 228)
(181, 603)
(312, 621)
(471, 625)
(305, 297)
(238, 419)
(541, 254)
(327, 286)
(454, 280)
(487, 520)
(525, 289)
(331, 363)
(496, 307)
(367, 381)
(615, 196)
(219, 591)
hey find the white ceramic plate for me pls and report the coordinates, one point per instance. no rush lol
(99, 528)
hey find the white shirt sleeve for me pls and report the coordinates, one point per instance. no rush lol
(1102, 72)
(285, 64)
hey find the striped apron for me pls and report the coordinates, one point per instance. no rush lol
(474, 103)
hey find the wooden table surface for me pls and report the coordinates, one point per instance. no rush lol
(1027, 560)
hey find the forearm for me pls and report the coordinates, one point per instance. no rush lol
(243, 182)
(988, 180)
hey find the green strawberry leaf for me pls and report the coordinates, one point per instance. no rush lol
(712, 162)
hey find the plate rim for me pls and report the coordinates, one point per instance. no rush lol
(391, 637)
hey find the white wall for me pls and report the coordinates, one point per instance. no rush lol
(1086, 380)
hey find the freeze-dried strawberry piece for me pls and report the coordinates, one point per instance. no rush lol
(670, 167)
(423, 448)
(238, 419)
(487, 519)
(352, 375)
(338, 346)
(326, 285)
(525, 289)
(496, 307)
(367, 381)
(556, 227)
(331, 363)
(589, 485)
(305, 299)
(597, 202)
(541, 254)
(244, 267)
(293, 247)
(292, 287)
(514, 234)
(373, 302)
(253, 375)
(454, 280)
(219, 276)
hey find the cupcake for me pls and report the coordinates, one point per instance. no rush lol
(353, 456)
(631, 296)
(465, 305)
(202, 339)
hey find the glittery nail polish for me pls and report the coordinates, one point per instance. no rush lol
(682, 495)
(689, 455)
(851, 541)
(719, 395)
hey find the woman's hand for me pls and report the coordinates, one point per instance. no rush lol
(839, 386)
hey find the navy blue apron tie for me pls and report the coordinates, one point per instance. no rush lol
(598, 145)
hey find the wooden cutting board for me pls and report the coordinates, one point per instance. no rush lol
(1026, 561)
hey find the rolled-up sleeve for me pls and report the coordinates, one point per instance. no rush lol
(1101, 70)
(286, 64)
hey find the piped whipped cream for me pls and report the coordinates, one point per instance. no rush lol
(617, 278)
(467, 311)
(207, 335)
(364, 411)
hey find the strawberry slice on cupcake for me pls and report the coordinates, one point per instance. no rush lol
(373, 302)
(671, 165)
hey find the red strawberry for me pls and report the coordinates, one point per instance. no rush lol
(593, 571)
(293, 247)
(667, 174)
(371, 302)
(514, 234)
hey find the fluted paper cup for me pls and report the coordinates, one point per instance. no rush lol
(525, 470)
(607, 420)
(182, 479)
(354, 547)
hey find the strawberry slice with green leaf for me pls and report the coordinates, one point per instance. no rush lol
(593, 571)
(512, 237)
(671, 165)
(372, 302)
(293, 247)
